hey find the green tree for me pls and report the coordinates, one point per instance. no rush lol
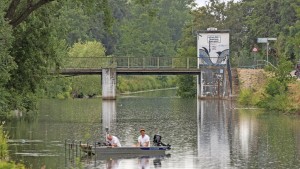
(7, 63)
(35, 50)
(19, 10)
(33, 43)
(87, 49)
(139, 31)
(186, 86)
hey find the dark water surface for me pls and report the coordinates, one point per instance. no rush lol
(203, 134)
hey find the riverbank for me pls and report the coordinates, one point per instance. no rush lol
(252, 84)
(152, 90)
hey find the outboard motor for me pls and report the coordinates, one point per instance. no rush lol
(157, 141)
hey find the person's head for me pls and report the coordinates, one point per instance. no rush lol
(109, 137)
(142, 131)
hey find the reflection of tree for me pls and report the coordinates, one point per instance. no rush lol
(278, 140)
(263, 140)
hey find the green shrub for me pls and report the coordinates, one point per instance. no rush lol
(58, 87)
(275, 87)
(10, 165)
(280, 103)
(3, 144)
(276, 91)
(87, 85)
(248, 97)
(4, 163)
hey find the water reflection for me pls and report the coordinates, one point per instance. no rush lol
(157, 163)
(213, 118)
(112, 163)
(143, 163)
(203, 133)
(109, 114)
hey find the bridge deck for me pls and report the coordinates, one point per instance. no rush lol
(136, 66)
(136, 71)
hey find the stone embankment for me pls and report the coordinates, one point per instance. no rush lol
(246, 79)
(251, 78)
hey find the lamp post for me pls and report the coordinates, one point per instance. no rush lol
(268, 51)
(266, 40)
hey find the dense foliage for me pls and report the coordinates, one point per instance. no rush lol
(276, 91)
(36, 35)
(6, 60)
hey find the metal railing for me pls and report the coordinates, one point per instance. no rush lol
(263, 63)
(133, 62)
(257, 64)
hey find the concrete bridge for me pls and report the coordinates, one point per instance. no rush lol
(110, 67)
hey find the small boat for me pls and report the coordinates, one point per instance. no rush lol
(108, 150)
(159, 148)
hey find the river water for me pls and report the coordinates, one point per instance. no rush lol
(203, 133)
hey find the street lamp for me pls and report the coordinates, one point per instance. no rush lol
(266, 40)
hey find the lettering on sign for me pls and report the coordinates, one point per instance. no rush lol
(214, 38)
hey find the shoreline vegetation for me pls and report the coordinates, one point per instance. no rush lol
(261, 89)
(144, 91)
(5, 162)
(90, 86)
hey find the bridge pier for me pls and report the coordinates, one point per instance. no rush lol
(212, 84)
(109, 87)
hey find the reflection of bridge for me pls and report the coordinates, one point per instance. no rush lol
(110, 67)
(134, 65)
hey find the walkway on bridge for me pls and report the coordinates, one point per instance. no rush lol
(135, 66)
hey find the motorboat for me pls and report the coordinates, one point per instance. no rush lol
(158, 148)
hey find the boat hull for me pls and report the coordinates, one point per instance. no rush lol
(142, 151)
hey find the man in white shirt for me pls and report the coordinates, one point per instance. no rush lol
(113, 141)
(143, 139)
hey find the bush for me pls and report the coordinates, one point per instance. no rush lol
(10, 165)
(4, 163)
(3, 144)
(248, 97)
(276, 91)
(275, 87)
(280, 103)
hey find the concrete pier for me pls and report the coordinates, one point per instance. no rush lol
(109, 78)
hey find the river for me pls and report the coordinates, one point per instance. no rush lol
(203, 133)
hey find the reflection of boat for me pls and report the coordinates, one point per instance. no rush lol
(110, 161)
(124, 151)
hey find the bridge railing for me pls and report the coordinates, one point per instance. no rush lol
(131, 62)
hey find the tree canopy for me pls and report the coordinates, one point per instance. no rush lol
(35, 35)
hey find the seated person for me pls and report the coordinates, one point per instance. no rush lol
(143, 139)
(113, 141)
